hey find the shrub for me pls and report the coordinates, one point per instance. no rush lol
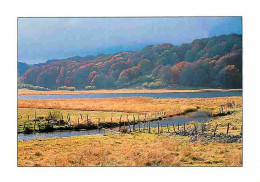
(32, 87)
(66, 88)
(154, 85)
(90, 88)
(55, 115)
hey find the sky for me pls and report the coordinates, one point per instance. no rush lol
(41, 39)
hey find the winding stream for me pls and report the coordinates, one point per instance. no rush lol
(198, 116)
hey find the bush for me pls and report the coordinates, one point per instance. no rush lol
(66, 88)
(154, 85)
(123, 130)
(90, 88)
(32, 87)
(54, 115)
(27, 130)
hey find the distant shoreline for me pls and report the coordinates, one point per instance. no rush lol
(65, 92)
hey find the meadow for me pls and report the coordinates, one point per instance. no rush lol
(135, 149)
(139, 105)
(58, 92)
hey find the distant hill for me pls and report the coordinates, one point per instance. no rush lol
(22, 67)
(209, 62)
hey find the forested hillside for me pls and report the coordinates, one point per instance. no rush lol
(22, 67)
(210, 62)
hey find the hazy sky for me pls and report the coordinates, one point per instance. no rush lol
(40, 39)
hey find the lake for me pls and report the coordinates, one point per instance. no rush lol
(154, 95)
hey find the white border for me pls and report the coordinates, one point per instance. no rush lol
(10, 10)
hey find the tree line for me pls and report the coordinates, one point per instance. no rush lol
(209, 62)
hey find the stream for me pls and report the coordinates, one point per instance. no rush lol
(198, 116)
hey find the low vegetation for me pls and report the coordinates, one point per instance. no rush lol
(138, 148)
(28, 115)
(32, 87)
(140, 105)
(91, 90)
(66, 88)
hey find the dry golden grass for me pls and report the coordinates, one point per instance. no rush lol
(74, 115)
(138, 149)
(131, 105)
(58, 92)
(127, 150)
(235, 121)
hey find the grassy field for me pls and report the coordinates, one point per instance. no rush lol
(75, 115)
(136, 149)
(131, 105)
(127, 150)
(57, 92)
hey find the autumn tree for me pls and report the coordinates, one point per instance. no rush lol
(230, 77)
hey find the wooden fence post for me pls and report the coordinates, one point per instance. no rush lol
(98, 122)
(168, 128)
(129, 126)
(184, 127)
(195, 128)
(69, 119)
(133, 123)
(158, 127)
(228, 128)
(34, 124)
(215, 129)
(221, 109)
(86, 122)
(173, 128)
(120, 119)
(50, 115)
(202, 127)
(178, 127)
(149, 127)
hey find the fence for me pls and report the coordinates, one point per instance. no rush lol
(139, 123)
